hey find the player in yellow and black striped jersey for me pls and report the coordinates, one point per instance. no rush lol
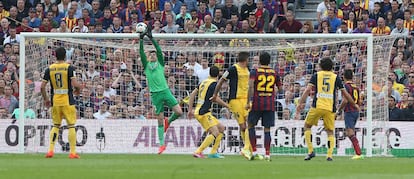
(62, 82)
(203, 114)
(238, 77)
(325, 83)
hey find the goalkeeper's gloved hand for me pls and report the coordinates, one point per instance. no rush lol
(149, 31)
(141, 36)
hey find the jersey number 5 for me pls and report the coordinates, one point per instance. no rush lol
(266, 83)
(326, 85)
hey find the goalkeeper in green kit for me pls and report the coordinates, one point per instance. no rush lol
(158, 87)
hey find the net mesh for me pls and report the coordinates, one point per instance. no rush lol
(110, 71)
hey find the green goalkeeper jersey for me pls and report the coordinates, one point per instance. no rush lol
(154, 70)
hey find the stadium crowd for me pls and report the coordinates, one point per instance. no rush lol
(114, 82)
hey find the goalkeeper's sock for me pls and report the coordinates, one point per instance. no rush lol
(72, 139)
(355, 143)
(252, 136)
(331, 145)
(161, 134)
(53, 136)
(267, 141)
(216, 143)
(308, 135)
(207, 141)
(173, 117)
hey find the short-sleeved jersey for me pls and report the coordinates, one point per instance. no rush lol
(326, 83)
(60, 77)
(205, 92)
(264, 92)
(238, 81)
(353, 90)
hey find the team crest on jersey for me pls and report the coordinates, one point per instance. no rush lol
(153, 65)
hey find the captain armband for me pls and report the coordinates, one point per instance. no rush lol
(225, 75)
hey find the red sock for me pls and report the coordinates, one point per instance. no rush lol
(355, 143)
(267, 141)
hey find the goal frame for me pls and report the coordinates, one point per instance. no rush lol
(368, 37)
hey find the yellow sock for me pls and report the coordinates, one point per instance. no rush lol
(247, 145)
(72, 139)
(216, 144)
(53, 137)
(331, 145)
(308, 140)
(207, 141)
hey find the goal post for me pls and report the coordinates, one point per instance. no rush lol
(35, 46)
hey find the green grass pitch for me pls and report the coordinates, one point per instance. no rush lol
(186, 167)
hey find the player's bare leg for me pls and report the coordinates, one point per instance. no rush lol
(219, 135)
(331, 144)
(160, 119)
(176, 114)
(308, 140)
(351, 135)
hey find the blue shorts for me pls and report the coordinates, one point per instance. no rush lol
(350, 119)
(268, 118)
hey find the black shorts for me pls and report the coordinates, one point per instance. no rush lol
(268, 118)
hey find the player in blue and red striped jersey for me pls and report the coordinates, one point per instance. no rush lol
(351, 114)
(262, 95)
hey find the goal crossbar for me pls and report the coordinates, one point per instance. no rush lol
(367, 37)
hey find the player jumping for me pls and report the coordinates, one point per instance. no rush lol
(158, 87)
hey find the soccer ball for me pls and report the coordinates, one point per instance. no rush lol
(141, 28)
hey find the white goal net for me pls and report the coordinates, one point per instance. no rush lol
(108, 65)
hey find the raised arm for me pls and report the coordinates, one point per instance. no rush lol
(160, 56)
(115, 83)
(144, 60)
(137, 83)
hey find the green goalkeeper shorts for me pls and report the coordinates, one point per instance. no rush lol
(163, 97)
